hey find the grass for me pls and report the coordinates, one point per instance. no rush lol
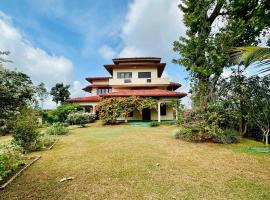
(126, 162)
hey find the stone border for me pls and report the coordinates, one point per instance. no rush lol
(50, 147)
(19, 172)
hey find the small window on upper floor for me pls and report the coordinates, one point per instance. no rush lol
(103, 90)
(124, 75)
(144, 74)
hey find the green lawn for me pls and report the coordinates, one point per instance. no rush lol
(127, 162)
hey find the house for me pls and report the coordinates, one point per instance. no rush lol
(134, 77)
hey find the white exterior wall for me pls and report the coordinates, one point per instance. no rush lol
(135, 79)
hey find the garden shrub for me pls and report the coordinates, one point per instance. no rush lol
(25, 129)
(60, 113)
(80, 118)
(153, 124)
(176, 134)
(57, 128)
(11, 158)
(227, 136)
(44, 140)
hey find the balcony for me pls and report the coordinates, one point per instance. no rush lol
(134, 81)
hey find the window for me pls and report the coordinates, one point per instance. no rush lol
(125, 75)
(103, 90)
(144, 75)
(163, 109)
(88, 109)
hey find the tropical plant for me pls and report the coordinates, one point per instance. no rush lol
(57, 128)
(11, 158)
(259, 56)
(112, 108)
(60, 93)
(60, 114)
(80, 118)
(203, 51)
(16, 90)
(259, 104)
(25, 129)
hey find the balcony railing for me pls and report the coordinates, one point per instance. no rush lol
(133, 81)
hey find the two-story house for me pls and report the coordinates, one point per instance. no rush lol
(134, 77)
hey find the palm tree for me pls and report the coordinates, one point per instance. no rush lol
(259, 56)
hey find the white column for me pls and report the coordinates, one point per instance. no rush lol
(158, 111)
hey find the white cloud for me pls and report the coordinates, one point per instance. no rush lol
(35, 62)
(107, 52)
(151, 27)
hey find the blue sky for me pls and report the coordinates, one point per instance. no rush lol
(68, 40)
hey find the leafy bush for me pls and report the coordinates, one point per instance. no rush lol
(44, 140)
(168, 122)
(80, 118)
(11, 158)
(60, 113)
(153, 124)
(176, 133)
(25, 129)
(227, 136)
(57, 128)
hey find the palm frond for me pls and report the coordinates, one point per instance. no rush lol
(258, 56)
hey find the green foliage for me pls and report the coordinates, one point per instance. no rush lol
(25, 129)
(60, 114)
(16, 90)
(227, 136)
(176, 133)
(44, 140)
(112, 108)
(60, 92)
(11, 158)
(154, 124)
(41, 94)
(80, 118)
(57, 128)
(203, 51)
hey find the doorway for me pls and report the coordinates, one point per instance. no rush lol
(146, 114)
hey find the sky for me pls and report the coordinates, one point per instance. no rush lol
(67, 40)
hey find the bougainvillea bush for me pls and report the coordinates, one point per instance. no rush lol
(112, 108)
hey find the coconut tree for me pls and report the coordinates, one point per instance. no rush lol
(259, 56)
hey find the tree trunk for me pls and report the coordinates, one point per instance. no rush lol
(266, 138)
(203, 92)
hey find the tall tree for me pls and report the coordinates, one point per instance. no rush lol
(203, 51)
(16, 90)
(41, 93)
(60, 92)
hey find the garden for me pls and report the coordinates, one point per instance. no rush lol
(217, 149)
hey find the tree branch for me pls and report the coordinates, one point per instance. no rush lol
(216, 11)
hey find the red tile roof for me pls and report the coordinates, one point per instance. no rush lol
(85, 99)
(89, 87)
(145, 93)
(137, 59)
(91, 79)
